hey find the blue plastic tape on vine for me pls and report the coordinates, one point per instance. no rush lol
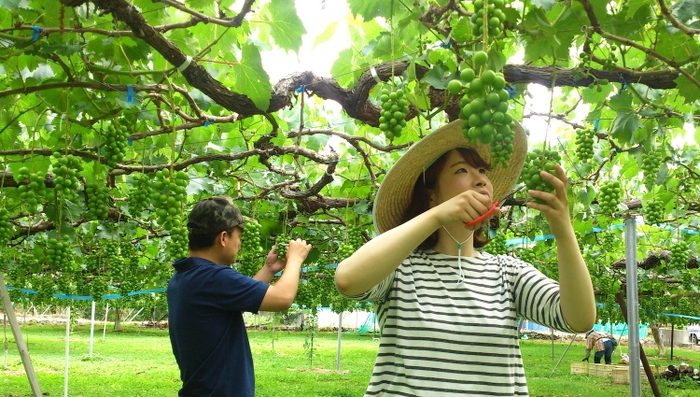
(35, 35)
(129, 94)
(510, 88)
(596, 124)
(445, 45)
(300, 89)
(206, 123)
(130, 141)
(623, 82)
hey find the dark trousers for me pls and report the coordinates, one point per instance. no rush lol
(608, 352)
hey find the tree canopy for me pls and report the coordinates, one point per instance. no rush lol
(118, 115)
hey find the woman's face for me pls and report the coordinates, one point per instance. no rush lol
(458, 176)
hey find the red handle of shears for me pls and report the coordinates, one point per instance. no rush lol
(480, 219)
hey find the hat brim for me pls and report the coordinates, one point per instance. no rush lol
(394, 195)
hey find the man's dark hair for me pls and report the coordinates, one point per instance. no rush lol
(203, 241)
(210, 217)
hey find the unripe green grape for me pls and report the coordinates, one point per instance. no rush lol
(250, 255)
(651, 164)
(537, 161)
(497, 245)
(7, 229)
(609, 196)
(98, 202)
(680, 254)
(584, 144)
(394, 107)
(66, 170)
(115, 144)
(654, 212)
(176, 246)
(483, 110)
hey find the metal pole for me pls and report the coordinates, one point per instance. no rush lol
(19, 340)
(632, 305)
(340, 334)
(562, 356)
(551, 337)
(65, 376)
(92, 326)
(104, 330)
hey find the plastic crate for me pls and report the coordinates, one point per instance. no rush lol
(579, 368)
(621, 375)
(600, 370)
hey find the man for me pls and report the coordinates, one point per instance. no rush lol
(602, 343)
(207, 298)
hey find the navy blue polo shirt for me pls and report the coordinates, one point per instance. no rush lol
(206, 302)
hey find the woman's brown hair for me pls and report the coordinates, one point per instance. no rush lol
(427, 180)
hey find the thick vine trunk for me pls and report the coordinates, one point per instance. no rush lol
(657, 339)
(117, 319)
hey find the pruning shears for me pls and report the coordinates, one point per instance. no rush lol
(491, 210)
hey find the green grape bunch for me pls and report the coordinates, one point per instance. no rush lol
(248, 259)
(168, 197)
(680, 254)
(344, 251)
(392, 117)
(527, 255)
(494, 12)
(176, 246)
(116, 139)
(98, 202)
(33, 193)
(66, 170)
(584, 144)
(353, 241)
(139, 195)
(539, 160)
(651, 164)
(484, 109)
(282, 242)
(355, 238)
(609, 196)
(497, 245)
(7, 229)
(607, 242)
(59, 254)
(654, 212)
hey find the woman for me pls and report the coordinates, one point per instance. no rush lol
(602, 343)
(448, 313)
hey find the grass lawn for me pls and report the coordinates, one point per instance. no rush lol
(130, 363)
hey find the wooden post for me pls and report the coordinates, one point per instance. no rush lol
(21, 346)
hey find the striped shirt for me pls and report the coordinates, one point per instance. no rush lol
(444, 338)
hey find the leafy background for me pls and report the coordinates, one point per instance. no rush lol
(303, 155)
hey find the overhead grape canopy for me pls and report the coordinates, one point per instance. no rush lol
(116, 116)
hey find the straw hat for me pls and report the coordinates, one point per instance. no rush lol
(394, 194)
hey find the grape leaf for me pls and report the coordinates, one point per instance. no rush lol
(326, 35)
(688, 89)
(251, 79)
(285, 26)
(370, 9)
(625, 126)
(546, 4)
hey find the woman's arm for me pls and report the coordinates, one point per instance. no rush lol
(576, 288)
(375, 260)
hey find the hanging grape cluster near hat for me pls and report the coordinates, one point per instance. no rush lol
(394, 194)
